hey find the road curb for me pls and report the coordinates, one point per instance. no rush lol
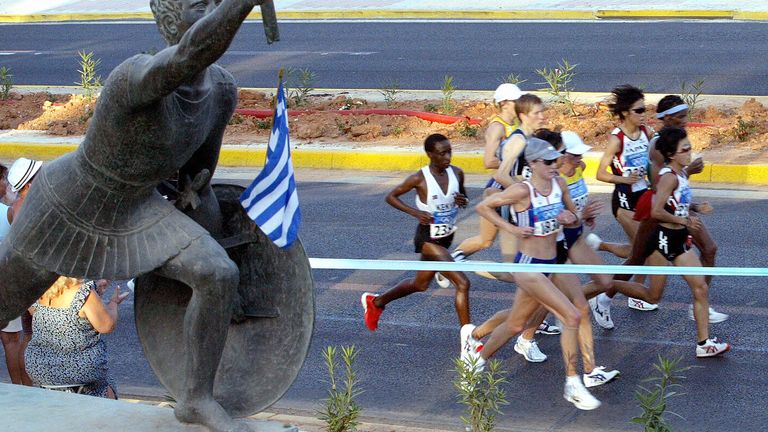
(415, 14)
(470, 162)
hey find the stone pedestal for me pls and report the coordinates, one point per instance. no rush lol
(31, 409)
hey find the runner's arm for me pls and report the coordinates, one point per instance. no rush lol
(664, 189)
(514, 194)
(607, 159)
(569, 206)
(414, 181)
(461, 199)
(493, 136)
(512, 150)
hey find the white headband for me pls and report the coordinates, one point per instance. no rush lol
(674, 110)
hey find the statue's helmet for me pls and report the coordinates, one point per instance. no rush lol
(168, 18)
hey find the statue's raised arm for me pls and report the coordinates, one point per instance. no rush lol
(198, 32)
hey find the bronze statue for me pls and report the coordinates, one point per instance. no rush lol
(95, 213)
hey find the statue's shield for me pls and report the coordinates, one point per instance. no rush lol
(265, 350)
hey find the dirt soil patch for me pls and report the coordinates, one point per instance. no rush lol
(735, 135)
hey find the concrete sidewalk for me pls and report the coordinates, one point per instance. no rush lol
(65, 10)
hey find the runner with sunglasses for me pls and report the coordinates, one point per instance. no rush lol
(541, 204)
(513, 169)
(571, 246)
(627, 155)
(628, 159)
(579, 252)
(671, 208)
(673, 111)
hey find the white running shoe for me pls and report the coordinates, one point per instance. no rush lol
(458, 255)
(601, 311)
(577, 394)
(641, 305)
(547, 329)
(599, 376)
(469, 345)
(712, 348)
(593, 241)
(530, 350)
(714, 316)
(442, 281)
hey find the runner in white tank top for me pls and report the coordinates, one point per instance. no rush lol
(670, 239)
(440, 192)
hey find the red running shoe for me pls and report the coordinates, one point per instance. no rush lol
(372, 312)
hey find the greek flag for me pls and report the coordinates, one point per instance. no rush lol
(271, 200)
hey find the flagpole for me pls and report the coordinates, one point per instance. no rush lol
(279, 82)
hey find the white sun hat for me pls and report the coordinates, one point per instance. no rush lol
(573, 143)
(21, 172)
(507, 92)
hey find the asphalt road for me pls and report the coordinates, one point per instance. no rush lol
(405, 366)
(658, 56)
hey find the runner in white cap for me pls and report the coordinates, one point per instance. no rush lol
(541, 204)
(579, 252)
(500, 127)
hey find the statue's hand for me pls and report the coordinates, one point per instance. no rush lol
(190, 195)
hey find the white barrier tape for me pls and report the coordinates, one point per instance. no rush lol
(495, 267)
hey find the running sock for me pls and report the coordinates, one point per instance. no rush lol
(703, 342)
(573, 379)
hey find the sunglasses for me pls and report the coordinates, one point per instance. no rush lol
(638, 110)
(548, 162)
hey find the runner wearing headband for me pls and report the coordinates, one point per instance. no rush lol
(673, 111)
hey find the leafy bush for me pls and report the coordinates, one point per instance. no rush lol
(340, 411)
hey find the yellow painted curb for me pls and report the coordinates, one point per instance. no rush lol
(751, 16)
(435, 14)
(471, 163)
(540, 14)
(76, 17)
(14, 150)
(664, 14)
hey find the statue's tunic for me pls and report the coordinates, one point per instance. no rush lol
(95, 213)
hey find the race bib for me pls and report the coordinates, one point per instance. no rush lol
(444, 223)
(579, 194)
(636, 164)
(527, 173)
(545, 219)
(683, 207)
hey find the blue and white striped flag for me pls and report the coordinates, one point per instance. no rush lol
(271, 200)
